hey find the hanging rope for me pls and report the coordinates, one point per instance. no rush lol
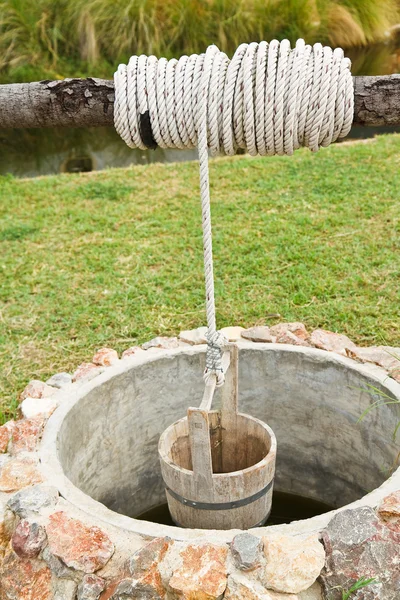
(268, 100)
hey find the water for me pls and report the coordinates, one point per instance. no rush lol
(32, 152)
(285, 509)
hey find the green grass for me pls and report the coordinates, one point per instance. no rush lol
(358, 585)
(115, 257)
(60, 38)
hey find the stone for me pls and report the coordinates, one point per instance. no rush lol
(4, 537)
(24, 579)
(143, 566)
(359, 544)
(290, 338)
(32, 500)
(383, 356)
(145, 558)
(105, 357)
(312, 593)
(259, 333)
(90, 587)
(389, 511)
(232, 334)
(26, 435)
(56, 566)
(64, 589)
(132, 351)
(246, 550)
(298, 329)
(34, 407)
(332, 342)
(18, 473)
(194, 336)
(37, 389)
(243, 588)
(79, 546)
(130, 589)
(202, 574)
(60, 380)
(5, 435)
(162, 342)
(87, 372)
(293, 563)
(28, 539)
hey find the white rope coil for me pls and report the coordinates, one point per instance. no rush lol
(268, 100)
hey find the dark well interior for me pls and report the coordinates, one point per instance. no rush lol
(108, 441)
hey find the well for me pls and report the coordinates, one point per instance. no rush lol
(100, 446)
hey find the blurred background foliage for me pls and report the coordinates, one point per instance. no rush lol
(47, 39)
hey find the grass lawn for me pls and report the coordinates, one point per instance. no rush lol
(115, 257)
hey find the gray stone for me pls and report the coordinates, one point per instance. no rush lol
(32, 500)
(90, 587)
(60, 380)
(64, 590)
(357, 545)
(130, 589)
(57, 567)
(246, 551)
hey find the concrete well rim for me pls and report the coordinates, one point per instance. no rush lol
(53, 472)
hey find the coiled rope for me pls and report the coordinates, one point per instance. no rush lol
(268, 100)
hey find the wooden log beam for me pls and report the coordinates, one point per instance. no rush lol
(90, 102)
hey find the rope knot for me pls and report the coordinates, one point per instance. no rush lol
(216, 342)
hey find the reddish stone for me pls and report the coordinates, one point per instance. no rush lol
(26, 434)
(132, 351)
(389, 511)
(18, 473)
(86, 371)
(162, 342)
(383, 356)
(143, 567)
(23, 579)
(79, 546)
(5, 435)
(28, 539)
(333, 342)
(90, 587)
(298, 329)
(290, 338)
(37, 389)
(203, 574)
(259, 333)
(358, 544)
(105, 357)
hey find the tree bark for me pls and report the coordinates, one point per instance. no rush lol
(90, 103)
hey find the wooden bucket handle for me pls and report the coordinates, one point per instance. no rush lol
(198, 420)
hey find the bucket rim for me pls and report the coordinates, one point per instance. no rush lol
(265, 461)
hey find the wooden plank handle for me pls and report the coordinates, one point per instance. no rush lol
(200, 446)
(230, 389)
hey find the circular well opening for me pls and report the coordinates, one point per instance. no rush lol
(107, 439)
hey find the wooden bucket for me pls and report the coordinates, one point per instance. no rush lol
(218, 466)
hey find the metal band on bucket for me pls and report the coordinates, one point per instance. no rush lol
(220, 505)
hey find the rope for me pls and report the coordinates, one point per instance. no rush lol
(268, 100)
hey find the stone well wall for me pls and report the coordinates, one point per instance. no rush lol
(59, 542)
